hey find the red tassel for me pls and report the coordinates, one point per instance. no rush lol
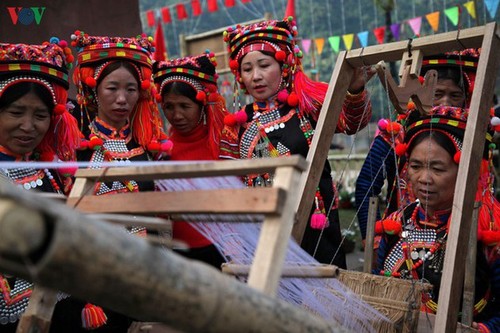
(388, 226)
(401, 148)
(319, 220)
(93, 317)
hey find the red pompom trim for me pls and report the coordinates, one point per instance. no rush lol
(230, 120)
(233, 64)
(457, 156)
(280, 56)
(292, 100)
(401, 148)
(145, 84)
(154, 146)
(201, 96)
(421, 79)
(59, 109)
(241, 117)
(282, 96)
(91, 82)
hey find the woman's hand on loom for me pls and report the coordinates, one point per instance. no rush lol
(360, 77)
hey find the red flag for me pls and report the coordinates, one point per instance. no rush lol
(212, 5)
(181, 11)
(150, 15)
(379, 34)
(245, 1)
(230, 3)
(160, 46)
(290, 8)
(165, 13)
(195, 4)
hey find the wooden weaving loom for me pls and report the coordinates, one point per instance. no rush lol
(281, 202)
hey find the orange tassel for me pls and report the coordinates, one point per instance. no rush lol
(93, 317)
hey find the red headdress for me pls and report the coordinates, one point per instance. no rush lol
(278, 38)
(46, 65)
(94, 54)
(465, 61)
(199, 73)
(451, 121)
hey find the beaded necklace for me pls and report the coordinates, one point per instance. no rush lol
(413, 238)
(255, 142)
(111, 145)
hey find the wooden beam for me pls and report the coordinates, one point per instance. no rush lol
(192, 169)
(265, 272)
(265, 200)
(468, 172)
(187, 295)
(318, 271)
(320, 145)
(370, 235)
(429, 45)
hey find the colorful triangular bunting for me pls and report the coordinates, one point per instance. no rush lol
(452, 14)
(433, 19)
(334, 43)
(415, 25)
(363, 38)
(348, 39)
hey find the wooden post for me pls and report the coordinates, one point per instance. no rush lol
(470, 270)
(370, 235)
(320, 145)
(132, 277)
(465, 191)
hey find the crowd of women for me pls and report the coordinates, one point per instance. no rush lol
(121, 95)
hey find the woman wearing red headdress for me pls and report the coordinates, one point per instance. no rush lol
(456, 73)
(190, 99)
(115, 92)
(35, 126)
(413, 242)
(266, 62)
(113, 77)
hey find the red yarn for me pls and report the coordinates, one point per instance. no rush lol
(93, 317)
(311, 94)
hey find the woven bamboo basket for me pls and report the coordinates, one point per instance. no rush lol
(399, 300)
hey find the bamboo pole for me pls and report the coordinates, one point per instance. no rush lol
(130, 276)
(370, 235)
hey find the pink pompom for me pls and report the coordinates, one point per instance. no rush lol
(68, 171)
(382, 124)
(241, 117)
(319, 220)
(282, 96)
(167, 146)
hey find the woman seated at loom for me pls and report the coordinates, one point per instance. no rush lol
(414, 238)
(35, 126)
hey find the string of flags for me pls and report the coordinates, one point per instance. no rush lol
(180, 9)
(415, 24)
(166, 15)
